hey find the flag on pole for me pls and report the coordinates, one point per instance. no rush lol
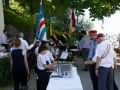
(102, 29)
(102, 24)
(72, 23)
(50, 29)
(40, 29)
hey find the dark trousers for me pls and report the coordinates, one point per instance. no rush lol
(114, 84)
(19, 76)
(105, 78)
(38, 83)
(5, 45)
(85, 52)
(43, 79)
(93, 76)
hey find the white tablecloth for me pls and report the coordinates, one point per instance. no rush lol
(73, 83)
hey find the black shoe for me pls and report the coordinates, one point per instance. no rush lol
(84, 70)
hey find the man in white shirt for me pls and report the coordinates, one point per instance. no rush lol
(24, 44)
(4, 40)
(55, 50)
(105, 59)
(2, 52)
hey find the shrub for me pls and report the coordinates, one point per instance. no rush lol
(17, 19)
(5, 71)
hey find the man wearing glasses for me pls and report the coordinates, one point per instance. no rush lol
(93, 45)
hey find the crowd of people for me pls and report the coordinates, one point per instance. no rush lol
(98, 56)
(46, 52)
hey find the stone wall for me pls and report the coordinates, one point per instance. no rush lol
(1, 18)
(13, 32)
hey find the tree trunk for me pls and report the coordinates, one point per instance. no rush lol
(6, 2)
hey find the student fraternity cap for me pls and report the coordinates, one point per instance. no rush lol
(93, 32)
(100, 35)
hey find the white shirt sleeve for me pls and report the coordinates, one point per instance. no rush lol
(36, 51)
(98, 51)
(94, 58)
(53, 51)
(4, 39)
(50, 56)
(114, 54)
(27, 47)
(42, 61)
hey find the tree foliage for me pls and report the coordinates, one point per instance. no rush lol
(17, 19)
(5, 71)
(30, 6)
(98, 8)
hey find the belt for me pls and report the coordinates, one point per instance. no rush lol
(85, 48)
(104, 67)
(42, 70)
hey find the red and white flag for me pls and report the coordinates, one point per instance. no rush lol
(72, 27)
(102, 24)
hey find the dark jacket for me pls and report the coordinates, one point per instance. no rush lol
(63, 39)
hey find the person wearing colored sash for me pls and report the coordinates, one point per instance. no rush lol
(105, 59)
(55, 37)
(64, 37)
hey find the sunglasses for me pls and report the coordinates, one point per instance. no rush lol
(93, 35)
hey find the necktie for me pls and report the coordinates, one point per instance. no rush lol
(94, 47)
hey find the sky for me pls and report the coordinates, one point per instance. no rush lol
(111, 24)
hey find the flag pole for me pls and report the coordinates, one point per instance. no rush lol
(49, 23)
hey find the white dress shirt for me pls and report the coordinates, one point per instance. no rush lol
(36, 51)
(48, 56)
(40, 62)
(108, 60)
(3, 54)
(11, 49)
(55, 51)
(24, 45)
(4, 39)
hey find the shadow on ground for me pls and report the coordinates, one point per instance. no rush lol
(84, 76)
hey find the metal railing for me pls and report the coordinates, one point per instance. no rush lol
(113, 40)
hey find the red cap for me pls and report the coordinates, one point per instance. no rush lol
(100, 35)
(92, 31)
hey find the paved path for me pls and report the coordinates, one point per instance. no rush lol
(84, 76)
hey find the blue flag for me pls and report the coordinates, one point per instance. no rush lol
(102, 21)
(40, 29)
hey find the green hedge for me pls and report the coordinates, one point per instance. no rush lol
(17, 19)
(5, 71)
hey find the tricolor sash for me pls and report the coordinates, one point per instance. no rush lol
(106, 51)
(64, 37)
(55, 37)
